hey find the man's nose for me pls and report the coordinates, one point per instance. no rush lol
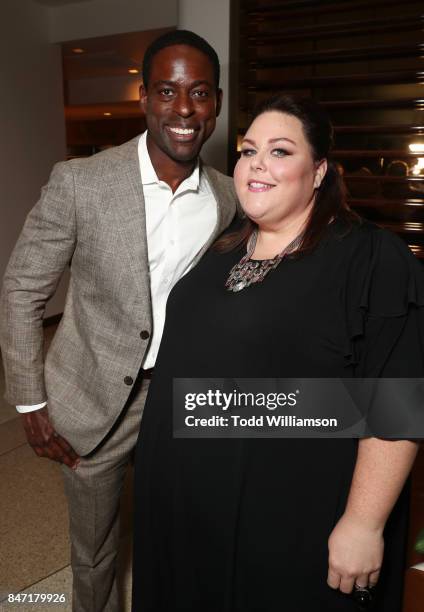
(184, 105)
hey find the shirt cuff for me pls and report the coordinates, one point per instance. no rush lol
(24, 409)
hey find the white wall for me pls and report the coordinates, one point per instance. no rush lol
(33, 126)
(211, 19)
(106, 17)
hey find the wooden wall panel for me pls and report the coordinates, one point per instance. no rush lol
(363, 60)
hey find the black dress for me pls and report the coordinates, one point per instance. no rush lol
(241, 525)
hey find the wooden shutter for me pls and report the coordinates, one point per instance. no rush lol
(361, 59)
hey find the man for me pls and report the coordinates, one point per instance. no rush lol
(130, 221)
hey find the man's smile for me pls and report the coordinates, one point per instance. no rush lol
(181, 134)
(178, 130)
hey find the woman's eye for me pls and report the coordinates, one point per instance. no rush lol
(247, 152)
(279, 152)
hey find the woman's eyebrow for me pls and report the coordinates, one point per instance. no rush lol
(282, 138)
(271, 140)
(252, 142)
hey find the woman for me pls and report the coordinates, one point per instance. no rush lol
(244, 525)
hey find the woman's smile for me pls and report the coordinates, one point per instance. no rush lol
(258, 186)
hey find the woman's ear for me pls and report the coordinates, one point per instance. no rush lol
(320, 172)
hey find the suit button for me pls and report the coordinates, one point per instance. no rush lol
(128, 380)
(144, 334)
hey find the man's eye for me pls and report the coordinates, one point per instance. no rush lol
(200, 93)
(166, 91)
(247, 152)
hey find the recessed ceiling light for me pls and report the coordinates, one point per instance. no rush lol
(78, 50)
(133, 70)
(416, 147)
(107, 114)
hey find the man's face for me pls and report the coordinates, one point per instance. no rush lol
(181, 103)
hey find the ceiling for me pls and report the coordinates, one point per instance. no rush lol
(59, 2)
(95, 112)
(105, 56)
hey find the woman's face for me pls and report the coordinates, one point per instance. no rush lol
(276, 175)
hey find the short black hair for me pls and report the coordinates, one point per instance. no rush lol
(180, 37)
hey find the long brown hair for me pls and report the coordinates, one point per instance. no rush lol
(330, 198)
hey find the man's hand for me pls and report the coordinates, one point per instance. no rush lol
(355, 555)
(45, 441)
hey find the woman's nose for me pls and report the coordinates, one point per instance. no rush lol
(257, 162)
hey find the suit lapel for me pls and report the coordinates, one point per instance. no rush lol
(127, 199)
(129, 208)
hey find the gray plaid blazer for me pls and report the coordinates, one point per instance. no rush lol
(90, 215)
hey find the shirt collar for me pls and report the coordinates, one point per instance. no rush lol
(148, 173)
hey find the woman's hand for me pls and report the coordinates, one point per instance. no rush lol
(355, 554)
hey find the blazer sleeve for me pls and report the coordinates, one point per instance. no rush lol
(43, 250)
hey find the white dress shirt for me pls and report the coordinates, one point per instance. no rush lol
(177, 226)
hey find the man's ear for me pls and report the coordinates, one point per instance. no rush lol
(143, 97)
(218, 101)
(320, 172)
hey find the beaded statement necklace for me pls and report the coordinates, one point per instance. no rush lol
(246, 272)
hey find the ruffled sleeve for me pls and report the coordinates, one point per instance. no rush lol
(384, 305)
